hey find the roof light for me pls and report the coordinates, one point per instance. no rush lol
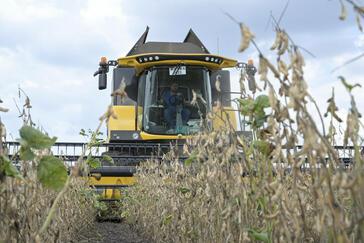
(140, 60)
(212, 59)
(145, 59)
(156, 58)
(150, 58)
(207, 58)
(103, 60)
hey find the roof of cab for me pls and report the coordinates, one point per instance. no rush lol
(191, 44)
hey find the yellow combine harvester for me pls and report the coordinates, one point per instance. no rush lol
(161, 80)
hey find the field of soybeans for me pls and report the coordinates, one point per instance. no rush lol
(284, 183)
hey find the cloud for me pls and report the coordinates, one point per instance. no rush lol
(52, 57)
(58, 95)
(22, 11)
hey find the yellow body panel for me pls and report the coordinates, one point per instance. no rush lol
(131, 61)
(224, 117)
(125, 119)
(111, 193)
(148, 136)
(125, 181)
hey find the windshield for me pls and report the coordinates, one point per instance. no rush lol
(169, 107)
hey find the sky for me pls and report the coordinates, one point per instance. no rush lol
(51, 48)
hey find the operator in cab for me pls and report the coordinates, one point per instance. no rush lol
(174, 102)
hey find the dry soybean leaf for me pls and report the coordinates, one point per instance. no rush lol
(218, 83)
(241, 82)
(194, 97)
(27, 103)
(272, 98)
(109, 113)
(2, 109)
(263, 69)
(277, 41)
(272, 68)
(2, 130)
(272, 216)
(284, 44)
(120, 92)
(282, 67)
(337, 117)
(247, 36)
(359, 9)
(358, 22)
(332, 108)
(344, 13)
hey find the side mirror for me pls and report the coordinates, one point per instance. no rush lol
(103, 70)
(102, 81)
(250, 71)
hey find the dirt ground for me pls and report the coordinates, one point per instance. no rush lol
(111, 232)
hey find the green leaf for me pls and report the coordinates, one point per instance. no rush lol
(35, 138)
(247, 106)
(183, 190)
(260, 119)
(190, 159)
(83, 132)
(261, 102)
(348, 86)
(259, 236)
(262, 146)
(8, 168)
(108, 158)
(93, 163)
(26, 153)
(167, 220)
(95, 143)
(51, 172)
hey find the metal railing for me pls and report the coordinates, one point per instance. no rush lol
(71, 151)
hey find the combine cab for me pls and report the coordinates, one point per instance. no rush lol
(169, 89)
